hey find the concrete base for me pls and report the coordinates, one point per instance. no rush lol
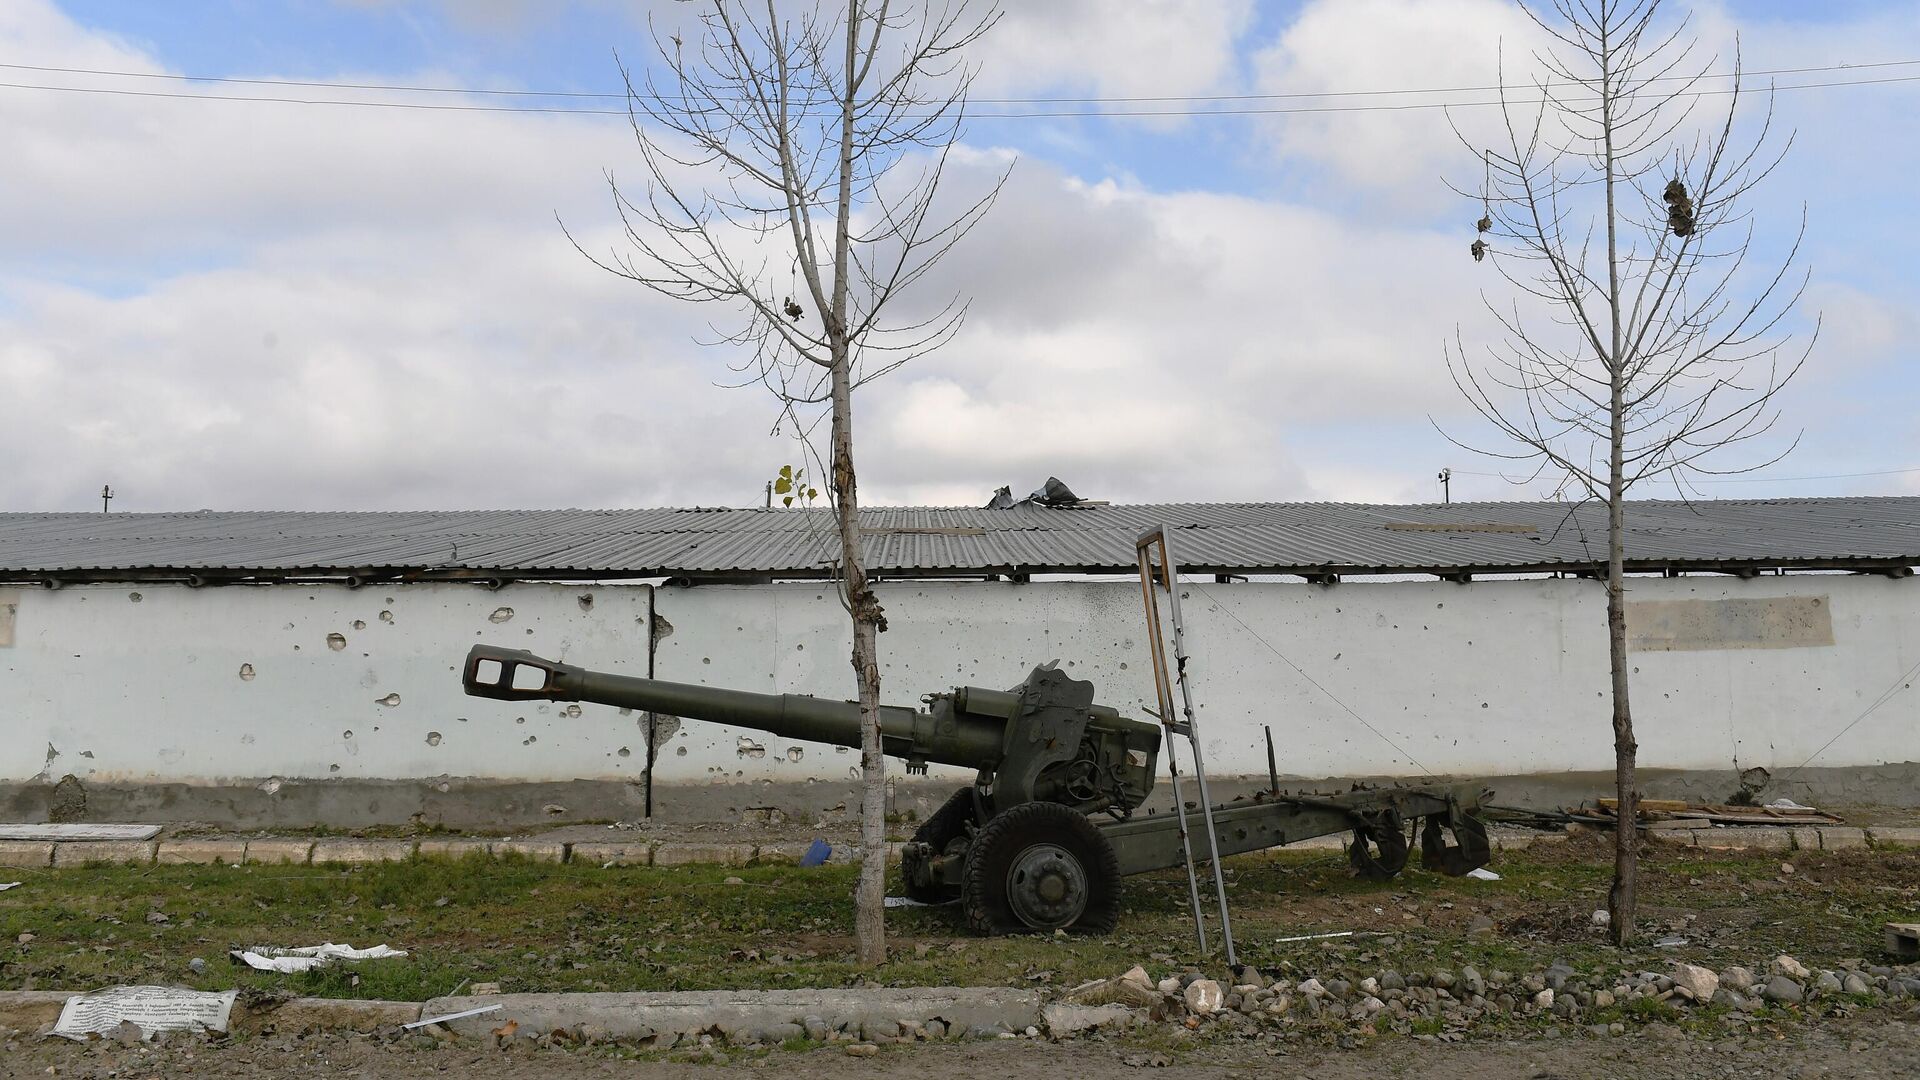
(474, 804)
(739, 1014)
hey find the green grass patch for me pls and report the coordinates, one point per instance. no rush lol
(537, 926)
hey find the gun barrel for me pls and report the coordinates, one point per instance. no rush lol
(517, 675)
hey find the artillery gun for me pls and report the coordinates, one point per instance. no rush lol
(1052, 822)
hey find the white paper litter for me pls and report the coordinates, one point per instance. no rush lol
(310, 957)
(9, 885)
(431, 1020)
(153, 1008)
(908, 901)
(1786, 804)
(10, 831)
(1483, 874)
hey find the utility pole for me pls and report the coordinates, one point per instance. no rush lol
(1446, 485)
(106, 496)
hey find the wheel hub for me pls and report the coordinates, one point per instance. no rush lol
(1046, 887)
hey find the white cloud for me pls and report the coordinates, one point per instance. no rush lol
(1141, 47)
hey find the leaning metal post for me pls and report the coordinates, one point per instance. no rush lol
(1170, 576)
(1165, 691)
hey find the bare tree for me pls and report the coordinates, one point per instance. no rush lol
(1622, 211)
(793, 158)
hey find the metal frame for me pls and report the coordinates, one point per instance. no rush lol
(1186, 726)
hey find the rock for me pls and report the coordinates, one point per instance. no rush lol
(483, 989)
(1441, 980)
(1543, 999)
(1601, 918)
(1602, 998)
(1203, 997)
(1695, 982)
(875, 1030)
(862, 1050)
(1737, 978)
(1480, 926)
(1788, 966)
(1138, 976)
(1558, 976)
(1066, 1021)
(1312, 988)
(1370, 1005)
(1338, 988)
(1783, 990)
(934, 1029)
(197, 966)
(1854, 984)
(1392, 980)
(1169, 985)
(1727, 998)
(129, 1034)
(1827, 983)
(1133, 993)
(1472, 982)
(1369, 985)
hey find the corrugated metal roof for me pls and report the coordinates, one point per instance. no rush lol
(1242, 538)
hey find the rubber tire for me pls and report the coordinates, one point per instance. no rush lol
(983, 886)
(1387, 834)
(942, 827)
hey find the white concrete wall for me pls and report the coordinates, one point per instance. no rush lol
(167, 683)
(1497, 677)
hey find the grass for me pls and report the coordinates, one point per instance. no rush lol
(534, 926)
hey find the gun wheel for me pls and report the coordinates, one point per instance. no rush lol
(1385, 831)
(1041, 866)
(938, 832)
(1469, 851)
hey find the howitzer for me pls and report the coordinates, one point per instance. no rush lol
(1020, 847)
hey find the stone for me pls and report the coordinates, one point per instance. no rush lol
(1543, 999)
(201, 852)
(530, 850)
(1472, 982)
(80, 853)
(1480, 926)
(1392, 980)
(1827, 983)
(1138, 976)
(1117, 991)
(934, 1029)
(1203, 997)
(1836, 838)
(1727, 998)
(452, 849)
(129, 1034)
(1602, 999)
(1783, 990)
(352, 852)
(1066, 1021)
(1788, 966)
(1169, 985)
(1312, 988)
(279, 851)
(692, 854)
(1695, 982)
(197, 966)
(862, 1050)
(1737, 978)
(876, 1030)
(1338, 988)
(1896, 836)
(1854, 984)
(815, 1028)
(26, 853)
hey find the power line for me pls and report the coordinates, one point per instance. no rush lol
(1051, 100)
(1899, 684)
(1027, 115)
(1750, 479)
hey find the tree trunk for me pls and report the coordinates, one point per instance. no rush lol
(870, 896)
(1626, 850)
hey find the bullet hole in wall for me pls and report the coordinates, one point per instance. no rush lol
(134, 596)
(347, 734)
(390, 699)
(336, 642)
(359, 624)
(246, 672)
(386, 616)
(500, 615)
(624, 752)
(433, 738)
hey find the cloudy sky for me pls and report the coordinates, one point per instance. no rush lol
(270, 304)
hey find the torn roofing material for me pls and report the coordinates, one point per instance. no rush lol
(1312, 539)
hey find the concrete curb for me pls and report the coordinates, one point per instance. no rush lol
(765, 1016)
(345, 852)
(649, 1019)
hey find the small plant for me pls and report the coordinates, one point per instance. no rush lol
(792, 484)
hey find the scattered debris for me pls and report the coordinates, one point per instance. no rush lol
(908, 901)
(429, 1021)
(150, 1009)
(1319, 937)
(1674, 813)
(309, 957)
(1483, 874)
(4, 886)
(1903, 940)
(817, 854)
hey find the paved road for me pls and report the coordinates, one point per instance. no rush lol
(1877, 1049)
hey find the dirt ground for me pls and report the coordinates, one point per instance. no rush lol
(1875, 1049)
